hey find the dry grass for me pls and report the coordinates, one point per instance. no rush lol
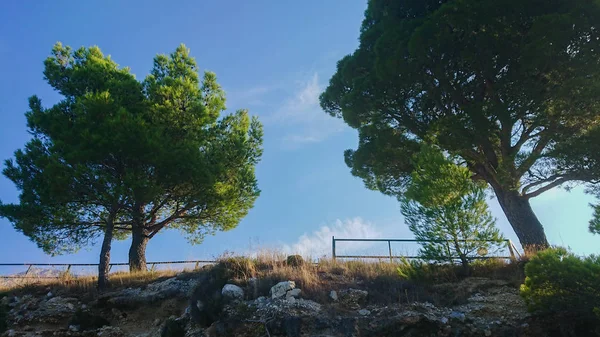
(386, 282)
(84, 283)
(381, 278)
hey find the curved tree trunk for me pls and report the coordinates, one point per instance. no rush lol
(104, 266)
(523, 220)
(137, 251)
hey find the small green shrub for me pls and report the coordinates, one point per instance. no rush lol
(419, 271)
(559, 282)
(295, 261)
(413, 270)
(240, 267)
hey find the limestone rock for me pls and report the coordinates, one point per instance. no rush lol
(281, 288)
(353, 298)
(232, 292)
(134, 297)
(293, 293)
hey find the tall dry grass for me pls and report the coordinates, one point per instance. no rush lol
(387, 282)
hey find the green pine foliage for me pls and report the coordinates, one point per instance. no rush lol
(447, 211)
(118, 157)
(558, 281)
(595, 221)
(509, 86)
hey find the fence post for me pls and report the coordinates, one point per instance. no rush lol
(514, 249)
(28, 269)
(390, 248)
(510, 250)
(333, 247)
(197, 265)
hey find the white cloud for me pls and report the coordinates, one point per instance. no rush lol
(309, 95)
(318, 243)
(302, 114)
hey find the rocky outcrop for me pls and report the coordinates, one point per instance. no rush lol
(131, 298)
(487, 308)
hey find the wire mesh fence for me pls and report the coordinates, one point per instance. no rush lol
(394, 249)
(60, 270)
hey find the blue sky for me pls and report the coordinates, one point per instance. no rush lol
(272, 57)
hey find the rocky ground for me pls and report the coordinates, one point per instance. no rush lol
(162, 308)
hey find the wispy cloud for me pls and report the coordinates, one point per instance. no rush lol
(318, 243)
(302, 113)
(295, 114)
(254, 96)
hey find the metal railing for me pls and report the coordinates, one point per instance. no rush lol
(514, 253)
(69, 265)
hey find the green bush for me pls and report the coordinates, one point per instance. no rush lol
(239, 267)
(295, 261)
(419, 271)
(559, 282)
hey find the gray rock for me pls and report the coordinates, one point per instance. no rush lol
(253, 286)
(281, 288)
(364, 312)
(134, 297)
(261, 299)
(293, 293)
(333, 295)
(291, 299)
(353, 298)
(49, 294)
(74, 328)
(458, 315)
(487, 333)
(11, 333)
(232, 292)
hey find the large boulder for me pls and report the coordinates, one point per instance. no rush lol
(132, 298)
(281, 288)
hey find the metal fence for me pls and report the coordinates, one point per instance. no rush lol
(29, 266)
(513, 252)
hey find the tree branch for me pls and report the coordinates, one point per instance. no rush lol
(534, 155)
(547, 187)
(525, 136)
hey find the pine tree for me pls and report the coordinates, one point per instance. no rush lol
(447, 211)
(117, 157)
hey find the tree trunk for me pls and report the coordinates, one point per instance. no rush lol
(104, 266)
(137, 251)
(526, 225)
(466, 269)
